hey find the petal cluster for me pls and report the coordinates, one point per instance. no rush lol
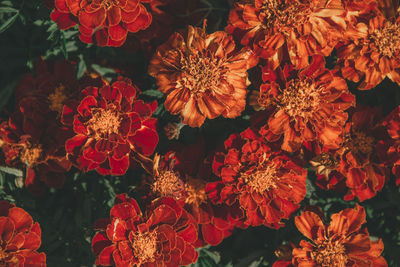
(202, 75)
(111, 126)
(164, 236)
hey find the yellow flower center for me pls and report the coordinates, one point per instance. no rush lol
(324, 163)
(201, 74)
(57, 99)
(8, 259)
(280, 14)
(168, 183)
(263, 179)
(330, 253)
(195, 191)
(104, 123)
(144, 246)
(387, 39)
(301, 99)
(31, 154)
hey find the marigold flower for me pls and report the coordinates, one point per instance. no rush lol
(202, 75)
(362, 154)
(268, 184)
(110, 126)
(107, 22)
(392, 125)
(371, 50)
(305, 105)
(341, 243)
(274, 28)
(164, 236)
(20, 238)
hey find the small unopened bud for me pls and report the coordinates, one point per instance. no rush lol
(19, 182)
(172, 130)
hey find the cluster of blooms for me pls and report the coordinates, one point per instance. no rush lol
(306, 117)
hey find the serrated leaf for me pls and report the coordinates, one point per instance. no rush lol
(9, 22)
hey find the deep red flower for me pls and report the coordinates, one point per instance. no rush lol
(392, 124)
(20, 238)
(341, 243)
(370, 52)
(164, 236)
(111, 126)
(362, 154)
(305, 105)
(106, 22)
(299, 29)
(203, 75)
(267, 183)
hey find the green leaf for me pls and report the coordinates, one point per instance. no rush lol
(9, 22)
(6, 93)
(13, 171)
(8, 10)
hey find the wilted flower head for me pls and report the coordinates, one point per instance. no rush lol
(341, 243)
(105, 22)
(268, 184)
(276, 29)
(20, 237)
(306, 105)
(202, 75)
(110, 126)
(164, 236)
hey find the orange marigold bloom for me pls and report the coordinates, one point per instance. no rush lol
(20, 237)
(392, 124)
(299, 28)
(371, 50)
(304, 105)
(268, 184)
(164, 236)
(342, 243)
(105, 21)
(202, 75)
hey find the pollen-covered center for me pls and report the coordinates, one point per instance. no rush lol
(57, 99)
(144, 246)
(387, 39)
(104, 123)
(360, 142)
(7, 259)
(200, 74)
(330, 253)
(168, 183)
(324, 163)
(263, 179)
(31, 154)
(195, 191)
(300, 98)
(280, 14)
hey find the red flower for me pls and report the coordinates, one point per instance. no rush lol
(277, 28)
(20, 237)
(268, 184)
(341, 243)
(106, 21)
(111, 125)
(164, 236)
(362, 154)
(306, 105)
(203, 75)
(371, 50)
(392, 124)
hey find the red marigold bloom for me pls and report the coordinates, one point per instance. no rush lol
(371, 50)
(105, 21)
(392, 124)
(305, 105)
(20, 238)
(202, 75)
(341, 243)
(362, 154)
(111, 125)
(268, 184)
(164, 236)
(274, 28)
(183, 175)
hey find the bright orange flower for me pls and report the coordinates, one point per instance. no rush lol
(202, 75)
(304, 105)
(300, 29)
(105, 21)
(392, 124)
(371, 50)
(268, 184)
(342, 243)
(20, 237)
